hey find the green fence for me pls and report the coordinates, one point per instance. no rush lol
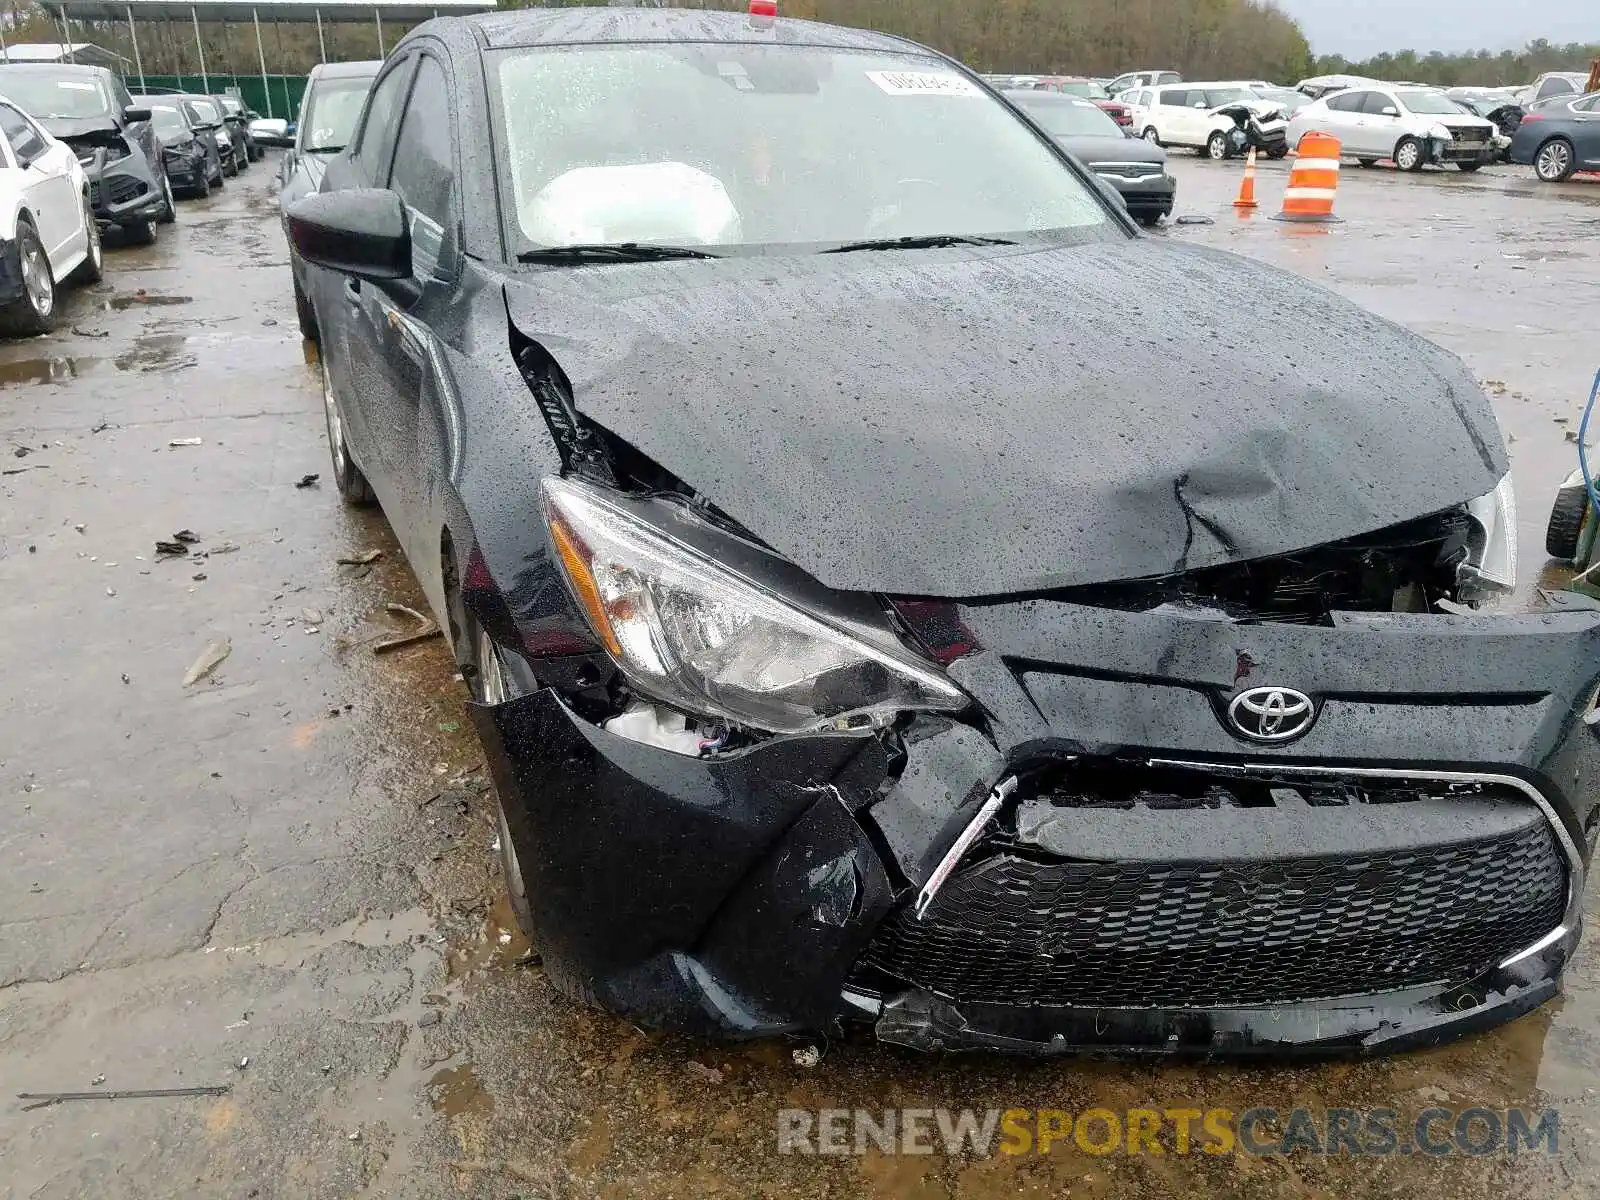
(276, 96)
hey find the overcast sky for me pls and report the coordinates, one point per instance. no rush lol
(1359, 28)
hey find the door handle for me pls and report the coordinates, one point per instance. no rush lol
(352, 290)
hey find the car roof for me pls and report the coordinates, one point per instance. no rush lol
(1041, 96)
(579, 26)
(364, 69)
(69, 69)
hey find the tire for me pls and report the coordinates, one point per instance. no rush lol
(33, 312)
(1554, 162)
(1150, 220)
(233, 167)
(1408, 154)
(93, 264)
(306, 314)
(1367, 162)
(1566, 522)
(169, 211)
(1150, 135)
(1277, 154)
(201, 190)
(353, 487)
(1217, 146)
(488, 685)
(143, 233)
(1467, 168)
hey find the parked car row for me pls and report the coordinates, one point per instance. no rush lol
(83, 155)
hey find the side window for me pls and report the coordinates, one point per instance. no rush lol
(1555, 86)
(1376, 102)
(1174, 98)
(383, 110)
(1588, 104)
(1346, 101)
(119, 95)
(424, 167)
(26, 144)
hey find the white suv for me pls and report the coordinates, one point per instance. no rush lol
(1184, 115)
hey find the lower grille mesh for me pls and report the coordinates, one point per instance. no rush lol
(1015, 930)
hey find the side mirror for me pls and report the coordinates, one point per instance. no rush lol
(134, 113)
(359, 232)
(1390, 110)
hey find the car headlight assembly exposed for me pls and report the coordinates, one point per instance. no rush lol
(692, 633)
(1492, 553)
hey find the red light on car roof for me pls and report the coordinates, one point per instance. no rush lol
(766, 10)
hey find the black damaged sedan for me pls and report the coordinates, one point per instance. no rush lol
(866, 626)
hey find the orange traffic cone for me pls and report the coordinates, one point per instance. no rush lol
(1247, 185)
(1313, 180)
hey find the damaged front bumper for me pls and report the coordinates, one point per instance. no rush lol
(1409, 870)
(122, 191)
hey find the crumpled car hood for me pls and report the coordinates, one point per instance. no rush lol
(93, 130)
(964, 423)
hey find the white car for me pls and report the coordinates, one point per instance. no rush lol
(48, 233)
(1189, 114)
(1413, 126)
(1133, 79)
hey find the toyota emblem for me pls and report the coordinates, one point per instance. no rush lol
(1271, 714)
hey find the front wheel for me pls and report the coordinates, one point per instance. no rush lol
(1150, 135)
(1562, 534)
(1468, 168)
(169, 210)
(1278, 152)
(141, 233)
(34, 311)
(1555, 161)
(91, 268)
(1217, 146)
(1408, 154)
(347, 477)
(305, 313)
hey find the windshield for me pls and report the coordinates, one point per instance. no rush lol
(743, 146)
(1428, 104)
(1066, 118)
(202, 112)
(1287, 97)
(43, 96)
(167, 120)
(331, 113)
(1219, 96)
(231, 106)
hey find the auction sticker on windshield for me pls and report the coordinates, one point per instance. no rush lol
(923, 83)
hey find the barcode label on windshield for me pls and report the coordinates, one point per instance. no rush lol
(923, 83)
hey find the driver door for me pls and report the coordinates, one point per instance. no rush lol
(48, 190)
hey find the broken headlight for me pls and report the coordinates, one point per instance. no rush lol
(1491, 564)
(690, 632)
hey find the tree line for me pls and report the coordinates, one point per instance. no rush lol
(1483, 67)
(1202, 39)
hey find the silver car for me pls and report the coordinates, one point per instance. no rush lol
(1412, 125)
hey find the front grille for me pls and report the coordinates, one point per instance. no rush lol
(122, 188)
(1128, 170)
(1023, 929)
(1471, 136)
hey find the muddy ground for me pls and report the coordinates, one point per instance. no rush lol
(280, 878)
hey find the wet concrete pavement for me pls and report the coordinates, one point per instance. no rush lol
(281, 878)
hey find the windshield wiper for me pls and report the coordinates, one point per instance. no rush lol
(926, 241)
(608, 252)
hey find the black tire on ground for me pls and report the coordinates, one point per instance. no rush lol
(1566, 522)
(1150, 135)
(1408, 154)
(1555, 161)
(169, 210)
(353, 487)
(201, 190)
(233, 166)
(1275, 154)
(1367, 162)
(91, 268)
(1467, 168)
(31, 314)
(1217, 147)
(306, 314)
(1150, 220)
(142, 233)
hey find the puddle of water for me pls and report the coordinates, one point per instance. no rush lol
(142, 300)
(160, 352)
(57, 369)
(498, 945)
(456, 1091)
